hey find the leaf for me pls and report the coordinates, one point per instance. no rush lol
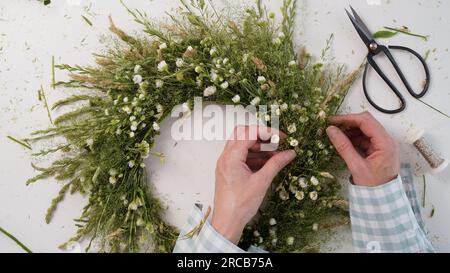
(384, 34)
(87, 20)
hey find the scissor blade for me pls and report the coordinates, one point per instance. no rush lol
(366, 39)
(361, 24)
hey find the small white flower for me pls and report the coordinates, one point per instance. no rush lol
(190, 48)
(267, 117)
(255, 101)
(245, 57)
(142, 165)
(137, 79)
(292, 128)
(131, 163)
(294, 143)
(313, 195)
(322, 114)
(132, 118)
(277, 41)
(281, 35)
(225, 61)
(162, 66)
(137, 68)
(272, 222)
(209, 91)
(284, 106)
(90, 142)
(141, 96)
(224, 85)
(112, 172)
(159, 83)
(284, 195)
(292, 63)
(112, 180)
(179, 62)
(236, 99)
(126, 99)
(290, 240)
(256, 233)
(315, 227)
(299, 195)
(155, 126)
(198, 69)
(134, 126)
(118, 132)
(140, 222)
(261, 79)
(127, 110)
(302, 182)
(232, 71)
(159, 108)
(106, 112)
(275, 139)
(131, 134)
(213, 51)
(314, 181)
(163, 46)
(213, 75)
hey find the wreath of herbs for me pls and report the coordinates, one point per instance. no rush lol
(247, 61)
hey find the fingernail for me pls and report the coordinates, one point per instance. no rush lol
(332, 131)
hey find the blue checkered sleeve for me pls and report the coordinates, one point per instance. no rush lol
(387, 218)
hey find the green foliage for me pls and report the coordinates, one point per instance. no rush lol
(140, 79)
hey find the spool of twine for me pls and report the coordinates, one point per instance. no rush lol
(436, 162)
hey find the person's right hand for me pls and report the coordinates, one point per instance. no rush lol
(371, 154)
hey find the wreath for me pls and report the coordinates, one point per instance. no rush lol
(118, 104)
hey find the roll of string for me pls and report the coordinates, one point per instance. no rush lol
(436, 162)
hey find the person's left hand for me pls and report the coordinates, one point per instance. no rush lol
(243, 176)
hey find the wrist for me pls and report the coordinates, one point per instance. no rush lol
(229, 229)
(371, 182)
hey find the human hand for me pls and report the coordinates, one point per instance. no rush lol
(243, 176)
(371, 154)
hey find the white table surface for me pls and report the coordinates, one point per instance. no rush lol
(31, 33)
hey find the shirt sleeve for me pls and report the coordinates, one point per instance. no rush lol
(383, 219)
(198, 236)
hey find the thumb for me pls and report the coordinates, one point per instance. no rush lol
(344, 147)
(275, 164)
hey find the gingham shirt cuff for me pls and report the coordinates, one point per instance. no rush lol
(383, 221)
(208, 240)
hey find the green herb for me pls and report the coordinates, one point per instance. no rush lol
(384, 34)
(432, 212)
(44, 98)
(87, 20)
(21, 142)
(53, 72)
(19, 243)
(405, 30)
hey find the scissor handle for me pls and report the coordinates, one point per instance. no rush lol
(397, 93)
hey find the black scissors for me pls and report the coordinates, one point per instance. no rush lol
(374, 49)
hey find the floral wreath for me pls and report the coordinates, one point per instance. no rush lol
(121, 101)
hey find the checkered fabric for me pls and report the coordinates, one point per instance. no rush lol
(387, 218)
(384, 219)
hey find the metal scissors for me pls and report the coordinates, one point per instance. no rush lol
(374, 49)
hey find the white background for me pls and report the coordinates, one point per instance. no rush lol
(30, 33)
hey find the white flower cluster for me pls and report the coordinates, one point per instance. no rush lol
(300, 187)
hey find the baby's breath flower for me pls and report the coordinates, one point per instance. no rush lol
(134, 126)
(214, 76)
(137, 68)
(293, 142)
(302, 182)
(284, 195)
(159, 83)
(322, 114)
(290, 240)
(163, 46)
(131, 134)
(225, 61)
(313, 195)
(209, 91)
(118, 131)
(256, 233)
(255, 101)
(90, 142)
(299, 195)
(179, 62)
(131, 163)
(137, 79)
(112, 180)
(315, 227)
(292, 63)
(292, 128)
(272, 222)
(198, 69)
(126, 109)
(261, 79)
(132, 118)
(155, 126)
(141, 96)
(314, 181)
(126, 99)
(284, 106)
(213, 51)
(236, 99)
(224, 85)
(159, 108)
(275, 139)
(162, 66)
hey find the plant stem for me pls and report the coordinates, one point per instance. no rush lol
(19, 243)
(53, 72)
(407, 33)
(46, 105)
(23, 143)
